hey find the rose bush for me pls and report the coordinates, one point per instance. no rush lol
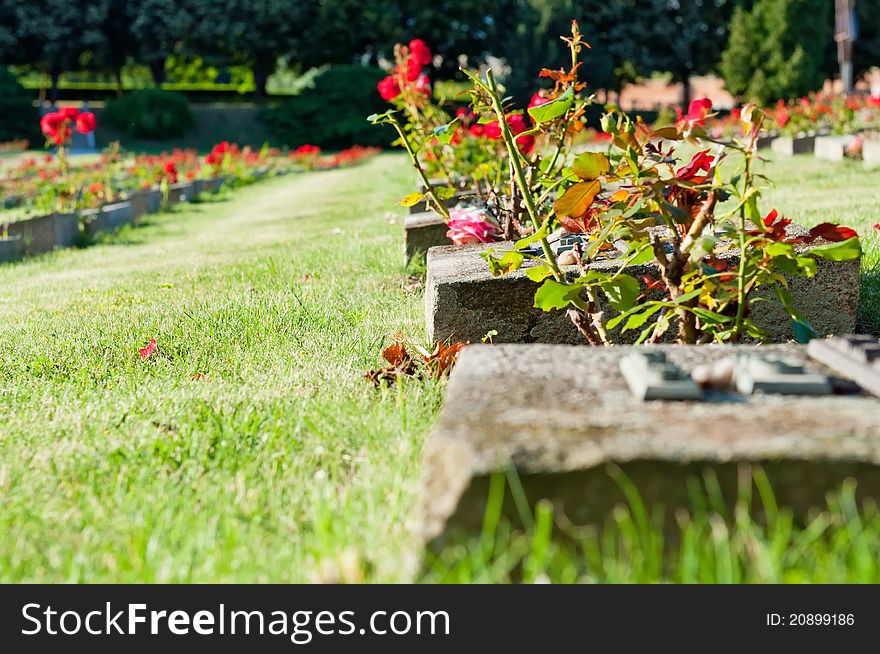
(650, 200)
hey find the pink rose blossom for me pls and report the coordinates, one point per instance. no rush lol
(470, 226)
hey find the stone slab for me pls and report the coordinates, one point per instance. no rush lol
(180, 192)
(214, 184)
(108, 218)
(832, 148)
(562, 418)
(464, 302)
(11, 249)
(145, 202)
(764, 142)
(45, 233)
(871, 154)
(423, 231)
(793, 145)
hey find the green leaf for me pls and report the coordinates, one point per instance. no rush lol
(842, 251)
(621, 291)
(553, 109)
(444, 192)
(803, 331)
(411, 199)
(643, 257)
(638, 319)
(444, 133)
(538, 273)
(711, 317)
(507, 263)
(591, 165)
(556, 295)
(523, 243)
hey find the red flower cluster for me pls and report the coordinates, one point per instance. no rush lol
(304, 151)
(408, 74)
(57, 125)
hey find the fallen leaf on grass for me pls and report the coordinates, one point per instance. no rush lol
(429, 364)
(146, 352)
(413, 285)
(441, 360)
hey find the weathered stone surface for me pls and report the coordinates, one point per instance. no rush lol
(144, 202)
(563, 419)
(108, 218)
(11, 249)
(464, 302)
(871, 154)
(423, 231)
(214, 184)
(765, 141)
(789, 145)
(44, 233)
(180, 192)
(832, 148)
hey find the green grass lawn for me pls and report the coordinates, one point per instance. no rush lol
(280, 463)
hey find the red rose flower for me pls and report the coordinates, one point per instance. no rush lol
(411, 71)
(492, 130)
(69, 113)
(538, 99)
(388, 88)
(50, 123)
(477, 130)
(419, 51)
(85, 122)
(210, 159)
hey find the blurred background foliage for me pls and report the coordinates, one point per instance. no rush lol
(275, 52)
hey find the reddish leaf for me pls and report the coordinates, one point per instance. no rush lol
(396, 354)
(441, 360)
(775, 227)
(146, 352)
(702, 161)
(832, 232)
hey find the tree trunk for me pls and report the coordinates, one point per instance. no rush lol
(118, 75)
(687, 92)
(54, 75)
(261, 76)
(157, 68)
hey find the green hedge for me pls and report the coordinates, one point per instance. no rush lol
(150, 113)
(20, 118)
(333, 112)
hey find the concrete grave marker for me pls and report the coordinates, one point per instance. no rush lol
(832, 148)
(464, 302)
(564, 421)
(793, 145)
